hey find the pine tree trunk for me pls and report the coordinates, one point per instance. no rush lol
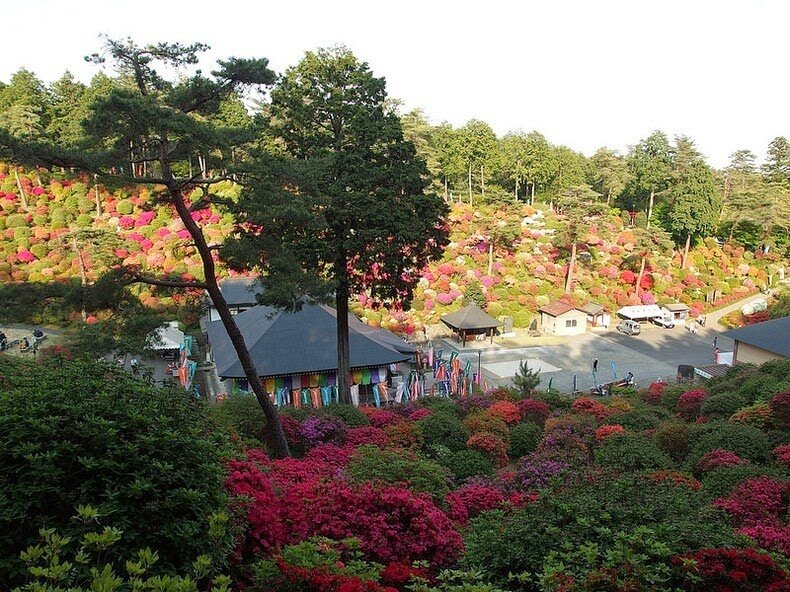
(482, 182)
(515, 191)
(470, 183)
(639, 277)
(445, 188)
(97, 195)
(275, 435)
(609, 197)
(343, 356)
(650, 206)
(686, 252)
(571, 264)
(732, 230)
(22, 194)
(532, 197)
(83, 276)
(490, 256)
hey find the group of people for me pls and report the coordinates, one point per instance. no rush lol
(24, 342)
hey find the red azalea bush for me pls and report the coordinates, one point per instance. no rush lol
(535, 411)
(758, 506)
(782, 454)
(780, 410)
(607, 431)
(733, 570)
(419, 413)
(470, 500)
(381, 418)
(320, 579)
(508, 411)
(484, 421)
(491, 445)
(716, 459)
(654, 392)
(392, 523)
(689, 404)
(590, 406)
(367, 435)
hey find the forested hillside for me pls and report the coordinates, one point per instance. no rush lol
(530, 221)
(512, 256)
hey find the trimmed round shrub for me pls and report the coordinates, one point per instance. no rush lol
(524, 438)
(780, 409)
(631, 453)
(372, 464)
(640, 418)
(757, 415)
(323, 429)
(718, 459)
(746, 441)
(149, 459)
(491, 445)
(124, 207)
(720, 482)
(444, 429)
(690, 403)
(367, 435)
(464, 464)
(673, 438)
(241, 413)
(350, 415)
(485, 421)
(723, 405)
(509, 412)
(608, 431)
(535, 411)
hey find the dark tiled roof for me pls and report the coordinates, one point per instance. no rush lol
(772, 336)
(301, 342)
(713, 371)
(557, 308)
(240, 290)
(675, 306)
(470, 316)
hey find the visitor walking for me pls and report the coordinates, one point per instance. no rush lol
(595, 365)
(715, 342)
(135, 366)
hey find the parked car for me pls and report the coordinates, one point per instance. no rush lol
(665, 322)
(629, 327)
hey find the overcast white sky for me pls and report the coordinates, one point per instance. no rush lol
(585, 73)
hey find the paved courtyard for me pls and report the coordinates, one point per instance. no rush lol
(654, 354)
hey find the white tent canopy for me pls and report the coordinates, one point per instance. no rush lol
(642, 312)
(166, 337)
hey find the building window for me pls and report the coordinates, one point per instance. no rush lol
(570, 323)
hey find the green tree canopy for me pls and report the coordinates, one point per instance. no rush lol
(341, 207)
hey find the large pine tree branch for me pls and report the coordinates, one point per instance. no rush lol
(137, 276)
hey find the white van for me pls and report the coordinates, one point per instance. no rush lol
(629, 327)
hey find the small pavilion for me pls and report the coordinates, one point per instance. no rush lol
(471, 319)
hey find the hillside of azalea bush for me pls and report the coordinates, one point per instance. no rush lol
(670, 488)
(41, 241)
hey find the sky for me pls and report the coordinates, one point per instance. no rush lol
(584, 73)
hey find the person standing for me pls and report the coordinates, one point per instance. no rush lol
(595, 365)
(715, 342)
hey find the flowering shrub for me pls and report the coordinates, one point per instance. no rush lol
(485, 421)
(607, 431)
(491, 445)
(508, 411)
(419, 413)
(475, 403)
(780, 410)
(399, 466)
(724, 570)
(782, 454)
(367, 435)
(689, 404)
(524, 438)
(444, 429)
(758, 415)
(293, 432)
(324, 429)
(590, 406)
(536, 472)
(676, 477)
(381, 418)
(757, 506)
(470, 500)
(535, 411)
(717, 459)
(654, 393)
(631, 453)
(405, 435)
